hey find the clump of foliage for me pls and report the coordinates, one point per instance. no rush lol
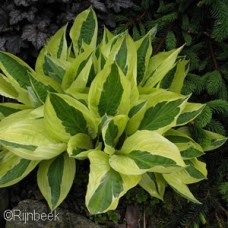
(104, 103)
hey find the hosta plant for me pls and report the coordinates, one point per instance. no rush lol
(103, 102)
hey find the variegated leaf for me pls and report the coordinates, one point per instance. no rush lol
(80, 94)
(144, 51)
(216, 140)
(154, 184)
(17, 73)
(40, 86)
(136, 108)
(110, 92)
(6, 89)
(106, 186)
(79, 145)
(83, 73)
(190, 112)
(15, 69)
(24, 114)
(66, 116)
(195, 171)
(56, 47)
(147, 151)
(55, 178)
(110, 49)
(107, 36)
(84, 30)
(160, 114)
(179, 76)
(122, 58)
(126, 58)
(14, 168)
(123, 51)
(29, 139)
(100, 62)
(188, 147)
(177, 184)
(136, 115)
(78, 66)
(112, 129)
(54, 68)
(7, 109)
(159, 66)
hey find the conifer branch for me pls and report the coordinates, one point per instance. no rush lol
(137, 20)
(160, 44)
(162, 40)
(212, 53)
